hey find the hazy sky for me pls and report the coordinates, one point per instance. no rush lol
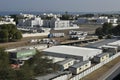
(60, 5)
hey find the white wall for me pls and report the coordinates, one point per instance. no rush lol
(31, 22)
(80, 68)
(35, 34)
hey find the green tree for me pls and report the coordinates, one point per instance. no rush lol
(38, 65)
(109, 36)
(106, 28)
(25, 73)
(87, 15)
(100, 37)
(41, 64)
(6, 73)
(99, 31)
(17, 17)
(9, 32)
(66, 16)
(4, 35)
(18, 35)
(116, 30)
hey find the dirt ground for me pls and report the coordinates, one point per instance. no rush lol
(24, 42)
(87, 28)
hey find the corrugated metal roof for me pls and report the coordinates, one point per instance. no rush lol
(64, 61)
(75, 51)
(101, 55)
(116, 43)
(108, 46)
(52, 75)
(79, 64)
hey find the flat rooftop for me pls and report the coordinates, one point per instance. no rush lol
(100, 43)
(101, 55)
(64, 61)
(116, 43)
(52, 75)
(79, 64)
(108, 46)
(72, 50)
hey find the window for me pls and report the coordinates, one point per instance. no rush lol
(80, 68)
(102, 57)
(68, 63)
(107, 56)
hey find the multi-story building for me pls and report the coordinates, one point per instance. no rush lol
(102, 20)
(33, 22)
(56, 23)
(7, 20)
(27, 15)
(97, 20)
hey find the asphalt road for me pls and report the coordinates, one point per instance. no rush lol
(113, 75)
(107, 75)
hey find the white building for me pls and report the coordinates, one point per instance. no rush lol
(51, 15)
(33, 22)
(56, 35)
(102, 20)
(72, 32)
(57, 24)
(116, 43)
(110, 49)
(7, 20)
(79, 67)
(101, 57)
(27, 15)
(56, 76)
(77, 35)
(65, 64)
(97, 20)
(79, 53)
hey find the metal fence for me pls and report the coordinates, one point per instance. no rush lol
(90, 70)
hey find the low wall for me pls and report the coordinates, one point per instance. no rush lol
(64, 28)
(35, 34)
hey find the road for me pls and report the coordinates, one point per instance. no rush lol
(107, 75)
(100, 43)
(115, 75)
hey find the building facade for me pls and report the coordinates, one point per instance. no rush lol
(57, 24)
(65, 64)
(7, 20)
(101, 57)
(33, 22)
(79, 67)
